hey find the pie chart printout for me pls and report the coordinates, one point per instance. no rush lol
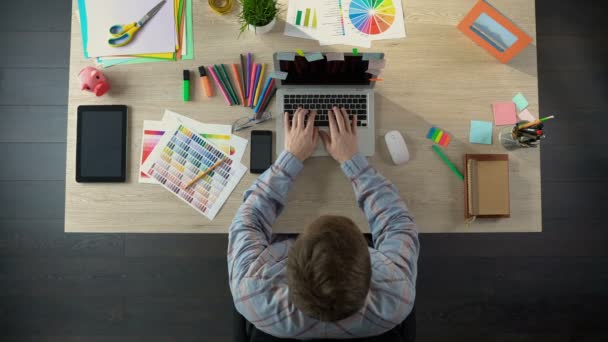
(372, 17)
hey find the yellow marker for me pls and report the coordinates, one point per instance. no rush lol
(300, 52)
(259, 87)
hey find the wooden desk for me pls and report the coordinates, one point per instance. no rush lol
(435, 76)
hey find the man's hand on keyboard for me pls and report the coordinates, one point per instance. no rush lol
(341, 141)
(301, 137)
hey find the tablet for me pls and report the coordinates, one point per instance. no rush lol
(101, 144)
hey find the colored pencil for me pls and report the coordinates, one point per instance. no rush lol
(264, 92)
(231, 92)
(204, 173)
(219, 85)
(265, 105)
(248, 75)
(244, 76)
(535, 122)
(259, 86)
(448, 162)
(254, 68)
(237, 77)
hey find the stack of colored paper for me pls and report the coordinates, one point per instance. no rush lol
(177, 149)
(166, 36)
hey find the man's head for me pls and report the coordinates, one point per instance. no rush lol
(329, 270)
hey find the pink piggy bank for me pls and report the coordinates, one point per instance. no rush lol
(93, 80)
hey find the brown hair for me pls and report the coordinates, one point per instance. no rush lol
(329, 269)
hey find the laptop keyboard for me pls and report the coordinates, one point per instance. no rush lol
(354, 104)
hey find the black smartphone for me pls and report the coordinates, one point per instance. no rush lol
(261, 151)
(101, 144)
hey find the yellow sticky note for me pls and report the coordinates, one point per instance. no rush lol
(300, 52)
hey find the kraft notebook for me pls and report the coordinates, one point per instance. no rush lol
(486, 185)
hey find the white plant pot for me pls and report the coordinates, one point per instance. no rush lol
(263, 29)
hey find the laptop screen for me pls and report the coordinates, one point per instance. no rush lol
(350, 71)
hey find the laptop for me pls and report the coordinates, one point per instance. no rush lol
(321, 85)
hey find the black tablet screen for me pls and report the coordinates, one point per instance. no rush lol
(101, 145)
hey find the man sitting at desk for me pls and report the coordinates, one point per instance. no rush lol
(327, 283)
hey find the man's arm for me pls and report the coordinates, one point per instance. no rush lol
(393, 229)
(251, 229)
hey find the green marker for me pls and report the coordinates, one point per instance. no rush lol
(186, 85)
(448, 162)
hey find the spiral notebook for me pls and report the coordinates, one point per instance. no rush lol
(486, 185)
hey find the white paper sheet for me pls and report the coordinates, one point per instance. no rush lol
(157, 35)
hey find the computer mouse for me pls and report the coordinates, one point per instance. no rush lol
(397, 147)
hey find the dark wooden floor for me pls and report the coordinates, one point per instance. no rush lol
(127, 287)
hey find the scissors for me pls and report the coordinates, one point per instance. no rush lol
(123, 34)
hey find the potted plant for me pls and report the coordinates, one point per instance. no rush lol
(258, 15)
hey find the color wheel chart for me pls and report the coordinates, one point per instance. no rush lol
(372, 17)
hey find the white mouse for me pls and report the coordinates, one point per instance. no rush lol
(397, 147)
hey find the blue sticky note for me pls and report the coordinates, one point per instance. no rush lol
(431, 132)
(281, 75)
(481, 132)
(520, 102)
(314, 56)
(371, 55)
(286, 56)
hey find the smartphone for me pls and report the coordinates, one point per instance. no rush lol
(101, 144)
(261, 151)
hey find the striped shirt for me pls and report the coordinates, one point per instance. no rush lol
(257, 259)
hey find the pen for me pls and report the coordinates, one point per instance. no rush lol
(218, 71)
(265, 92)
(219, 85)
(254, 69)
(229, 82)
(248, 75)
(243, 78)
(259, 86)
(205, 82)
(186, 85)
(535, 122)
(263, 109)
(448, 162)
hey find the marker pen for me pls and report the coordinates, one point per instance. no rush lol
(205, 82)
(186, 85)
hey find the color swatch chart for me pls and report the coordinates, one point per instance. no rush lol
(307, 18)
(372, 16)
(180, 156)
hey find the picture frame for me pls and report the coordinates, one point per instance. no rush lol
(494, 32)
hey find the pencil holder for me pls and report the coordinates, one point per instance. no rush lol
(508, 138)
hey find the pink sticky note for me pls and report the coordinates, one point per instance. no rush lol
(504, 113)
(525, 115)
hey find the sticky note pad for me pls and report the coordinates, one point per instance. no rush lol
(504, 113)
(370, 56)
(286, 56)
(375, 72)
(520, 102)
(525, 115)
(314, 56)
(481, 132)
(334, 56)
(438, 136)
(280, 75)
(376, 64)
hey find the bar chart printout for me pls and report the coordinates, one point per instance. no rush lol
(306, 17)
